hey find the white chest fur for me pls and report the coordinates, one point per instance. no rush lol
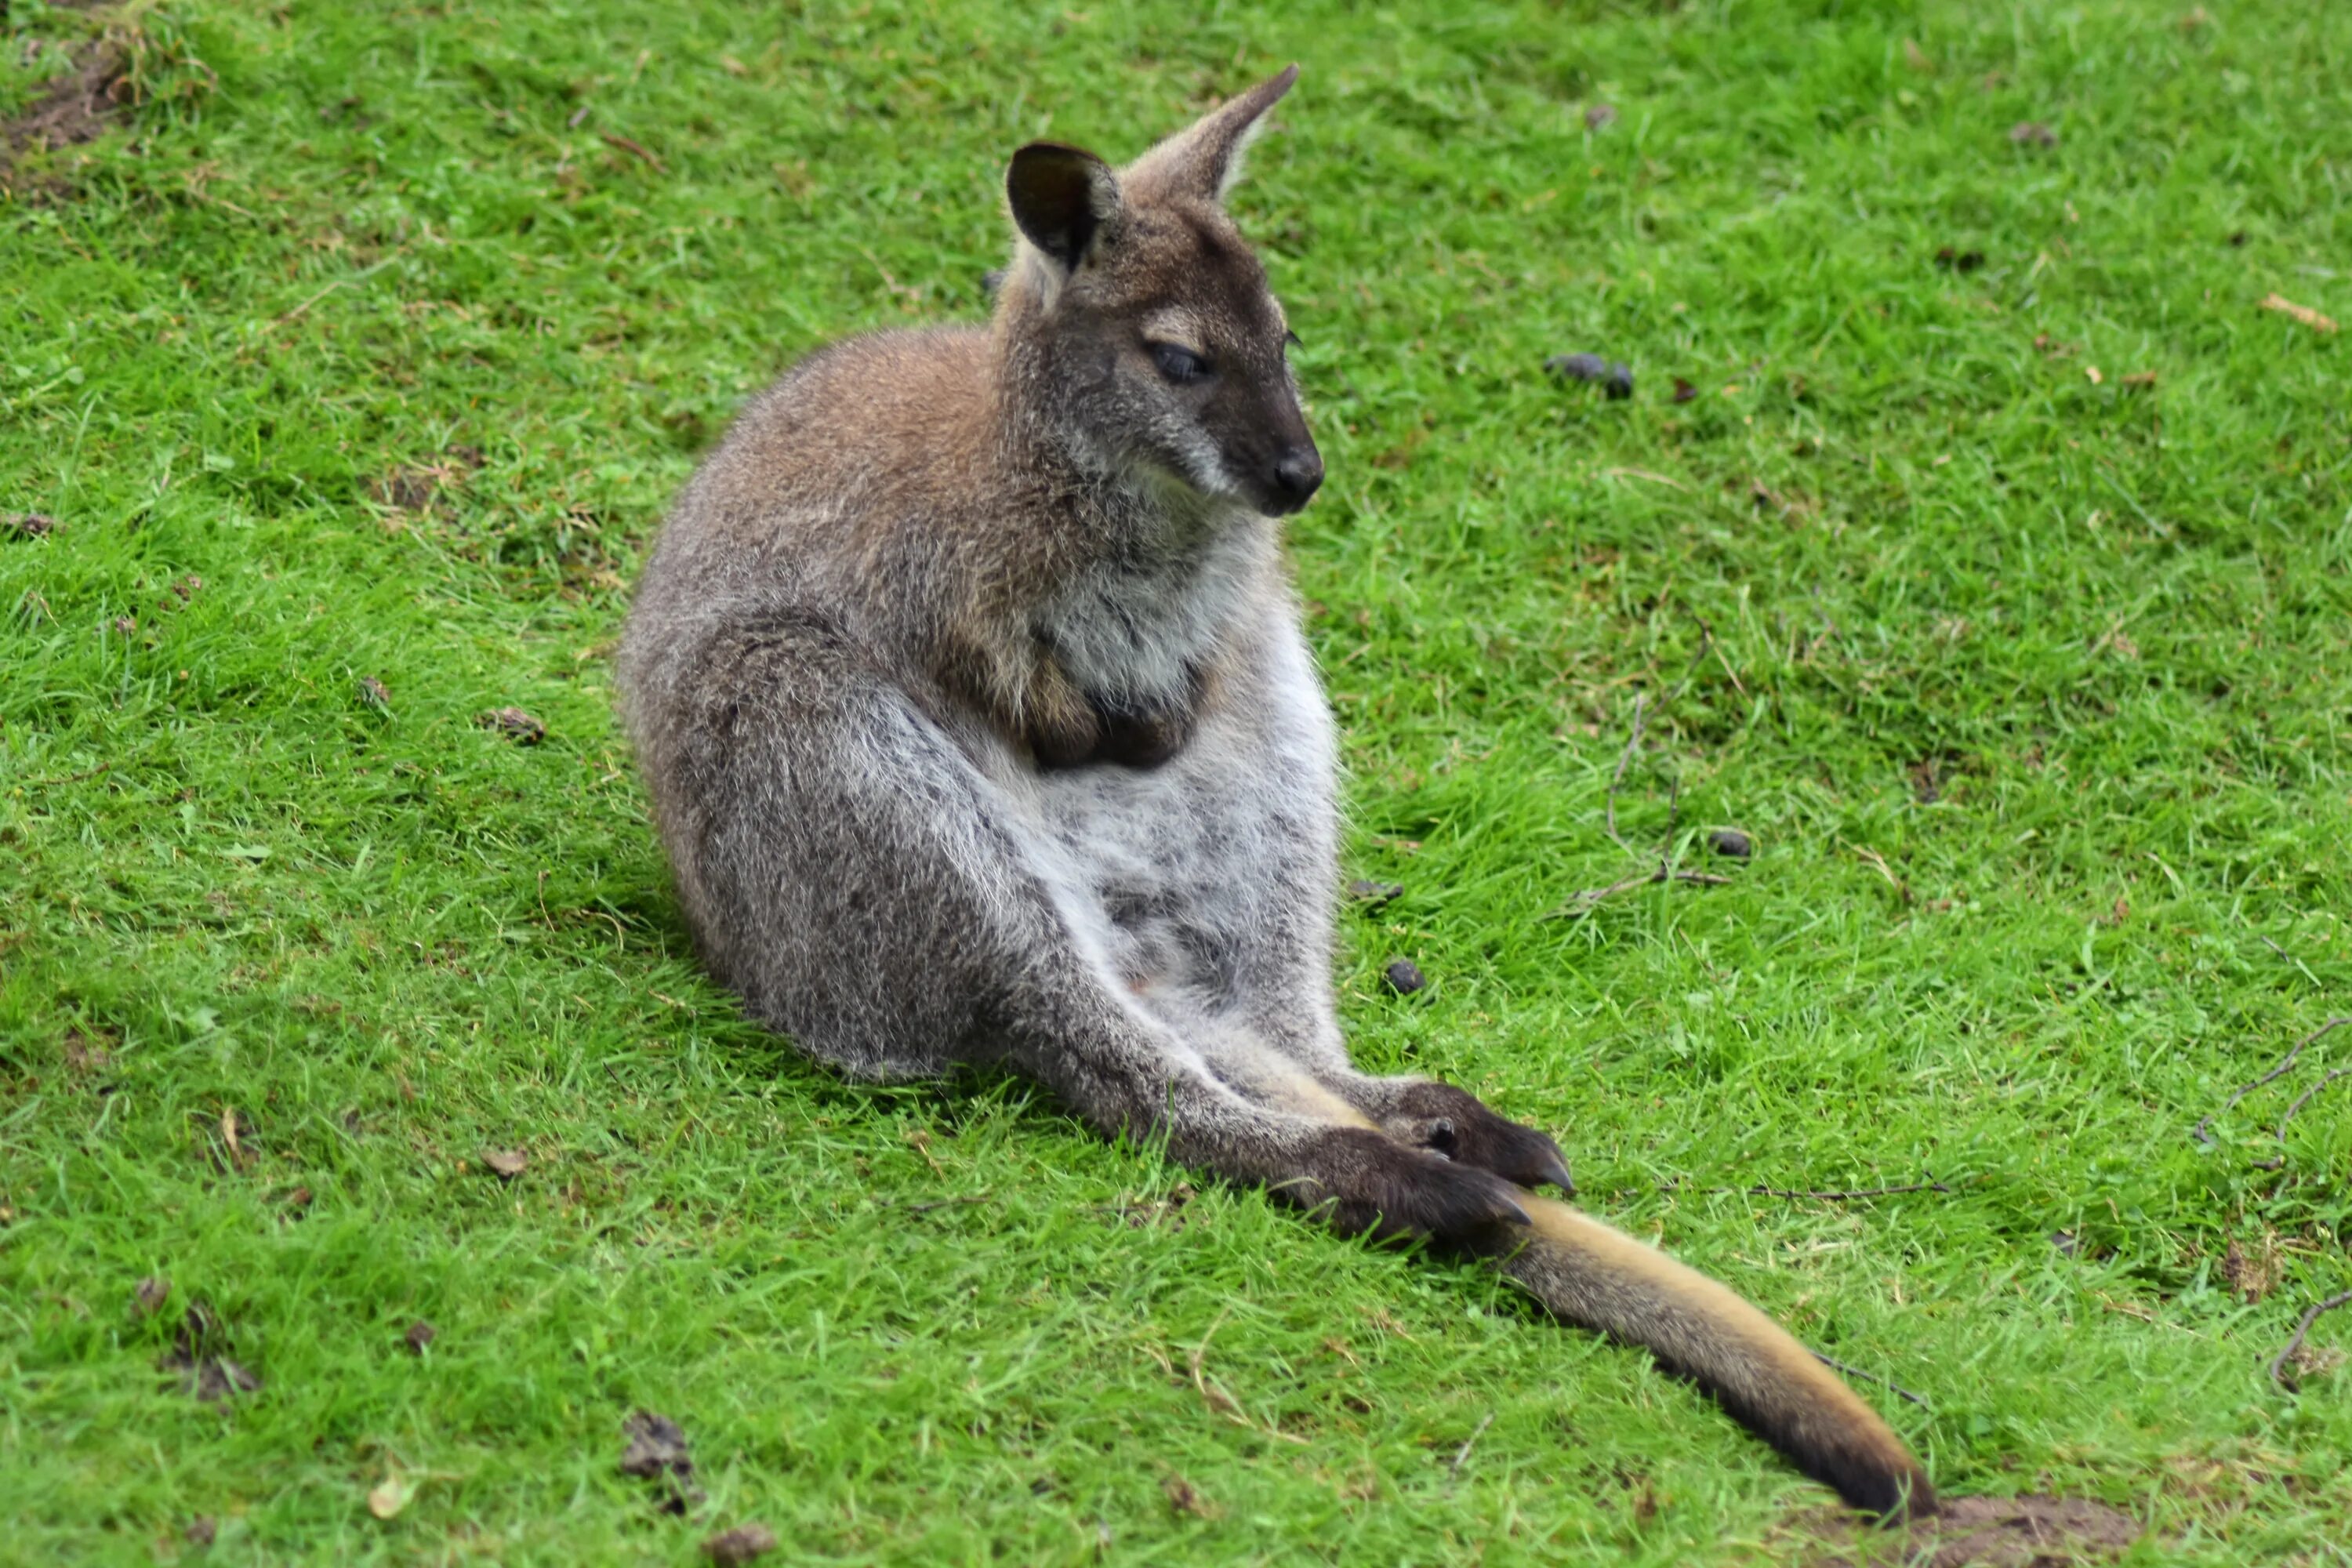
(1133, 626)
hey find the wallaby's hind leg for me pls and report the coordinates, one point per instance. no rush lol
(870, 893)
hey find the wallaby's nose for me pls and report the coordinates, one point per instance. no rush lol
(1296, 476)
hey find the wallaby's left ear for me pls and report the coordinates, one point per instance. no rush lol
(1063, 198)
(1204, 159)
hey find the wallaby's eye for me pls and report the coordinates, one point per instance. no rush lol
(1182, 366)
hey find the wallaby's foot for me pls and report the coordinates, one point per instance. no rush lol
(1359, 1180)
(1449, 1122)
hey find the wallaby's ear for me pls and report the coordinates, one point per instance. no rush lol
(1204, 159)
(1063, 199)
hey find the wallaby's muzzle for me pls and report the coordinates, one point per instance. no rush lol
(1296, 476)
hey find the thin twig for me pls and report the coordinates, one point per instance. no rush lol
(1892, 1387)
(1580, 902)
(1224, 1403)
(1463, 1453)
(2244, 1090)
(73, 778)
(1617, 779)
(1926, 1186)
(2305, 1098)
(1665, 873)
(313, 299)
(928, 1206)
(635, 149)
(2278, 1375)
(1705, 645)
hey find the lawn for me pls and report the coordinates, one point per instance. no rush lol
(1976, 540)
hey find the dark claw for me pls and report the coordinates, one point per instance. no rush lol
(1446, 1120)
(1363, 1181)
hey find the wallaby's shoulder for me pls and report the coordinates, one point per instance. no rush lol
(888, 409)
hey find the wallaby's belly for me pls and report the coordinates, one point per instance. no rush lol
(1171, 874)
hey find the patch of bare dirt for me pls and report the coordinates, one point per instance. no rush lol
(1974, 1532)
(77, 107)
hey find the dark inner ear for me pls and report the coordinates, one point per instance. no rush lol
(1061, 197)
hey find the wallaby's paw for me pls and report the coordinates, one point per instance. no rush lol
(1363, 1181)
(1447, 1121)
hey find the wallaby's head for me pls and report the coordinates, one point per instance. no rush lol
(1135, 312)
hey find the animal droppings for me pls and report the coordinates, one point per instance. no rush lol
(732, 1548)
(1615, 379)
(513, 724)
(1404, 976)
(657, 1449)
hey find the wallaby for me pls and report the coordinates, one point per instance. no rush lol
(980, 727)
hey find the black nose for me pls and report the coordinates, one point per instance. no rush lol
(1297, 475)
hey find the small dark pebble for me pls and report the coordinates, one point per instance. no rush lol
(1952, 260)
(420, 1334)
(201, 1530)
(1620, 381)
(1600, 117)
(2238, 238)
(1372, 895)
(26, 524)
(732, 1548)
(2065, 1242)
(1683, 390)
(1404, 978)
(1730, 841)
(514, 724)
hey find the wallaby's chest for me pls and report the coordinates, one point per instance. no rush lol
(1136, 630)
(1167, 871)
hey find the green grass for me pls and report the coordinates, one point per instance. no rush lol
(337, 241)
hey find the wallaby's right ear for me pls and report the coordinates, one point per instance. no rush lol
(1064, 199)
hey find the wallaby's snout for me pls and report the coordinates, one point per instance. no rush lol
(1297, 475)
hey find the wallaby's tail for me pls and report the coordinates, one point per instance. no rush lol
(1586, 1274)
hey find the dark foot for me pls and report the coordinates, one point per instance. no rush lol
(1359, 1181)
(1446, 1120)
